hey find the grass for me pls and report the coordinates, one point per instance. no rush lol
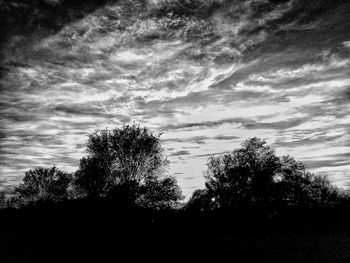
(24, 244)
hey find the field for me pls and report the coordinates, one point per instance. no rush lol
(142, 237)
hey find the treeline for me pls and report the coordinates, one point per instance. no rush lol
(127, 166)
(254, 176)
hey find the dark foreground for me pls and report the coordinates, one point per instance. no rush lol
(87, 232)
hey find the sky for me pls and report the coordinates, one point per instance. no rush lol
(207, 74)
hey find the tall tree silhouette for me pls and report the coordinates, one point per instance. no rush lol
(130, 156)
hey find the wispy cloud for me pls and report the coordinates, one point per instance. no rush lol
(180, 153)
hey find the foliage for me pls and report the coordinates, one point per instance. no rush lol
(43, 184)
(129, 160)
(158, 193)
(90, 179)
(127, 165)
(253, 176)
(3, 200)
(243, 177)
(298, 187)
(323, 192)
(119, 156)
(292, 182)
(201, 200)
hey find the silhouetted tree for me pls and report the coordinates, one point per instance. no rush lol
(243, 177)
(322, 192)
(43, 184)
(292, 182)
(297, 187)
(125, 155)
(90, 179)
(253, 175)
(130, 160)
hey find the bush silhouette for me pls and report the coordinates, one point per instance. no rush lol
(159, 193)
(201, 200)
(43, 184)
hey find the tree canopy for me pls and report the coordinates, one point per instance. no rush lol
(130, 156)
(43, 184)
(160, 193)
(127, 164)
(254, 176)
(127, 155)
(243, 177)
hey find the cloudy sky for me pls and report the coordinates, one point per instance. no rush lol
(208, 74)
